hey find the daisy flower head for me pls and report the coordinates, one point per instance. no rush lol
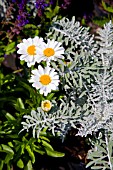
(51, 51)
(46, 105)
(28, 50)
(45, 79)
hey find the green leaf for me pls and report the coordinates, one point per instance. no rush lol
(56, 10)
(1, 164)
(28, 166)
(22, 62)
(44, 138)
(10, 144)
(19, 106)
(10, 48)
(50, 96)
(54, 153)
(1, 59)
(51, 13)
(47, 145)
(20, 164)
(8, 166)
(7, 149)
(1, 78)
(39, 151)
(107, 8)
(9, 117)
(8, 158)
(36, 32)
(20, 103)
(31, 154)
(30, 26)
(31, 90)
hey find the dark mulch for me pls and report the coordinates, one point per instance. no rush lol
(75, 149)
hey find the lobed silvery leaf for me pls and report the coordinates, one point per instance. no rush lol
(58, 121)
(101, 154)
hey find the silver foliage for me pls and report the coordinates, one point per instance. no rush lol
(71, 31)
(101, 154)
(100, 103)
(105, 41)
(100, 98)
(59, 121)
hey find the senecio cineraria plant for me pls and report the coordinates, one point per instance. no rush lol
(77, 67)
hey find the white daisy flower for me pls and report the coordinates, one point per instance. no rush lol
(28, 50)
(45, 80)
(50, 51)
(46, 105)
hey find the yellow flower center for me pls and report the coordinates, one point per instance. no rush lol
(31, 50)
(45, 79)
(48, 52)
(46, 105)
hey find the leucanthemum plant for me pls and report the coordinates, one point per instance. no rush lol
(74, 83)
(46, 105)
(28, 50)
(52, 50)
(45, 79)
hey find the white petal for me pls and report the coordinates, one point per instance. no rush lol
(22, 57)
(36, 73)
(53, 86)
(41, 70)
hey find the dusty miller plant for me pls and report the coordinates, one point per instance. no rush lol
(100, 100)
(86, 87)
